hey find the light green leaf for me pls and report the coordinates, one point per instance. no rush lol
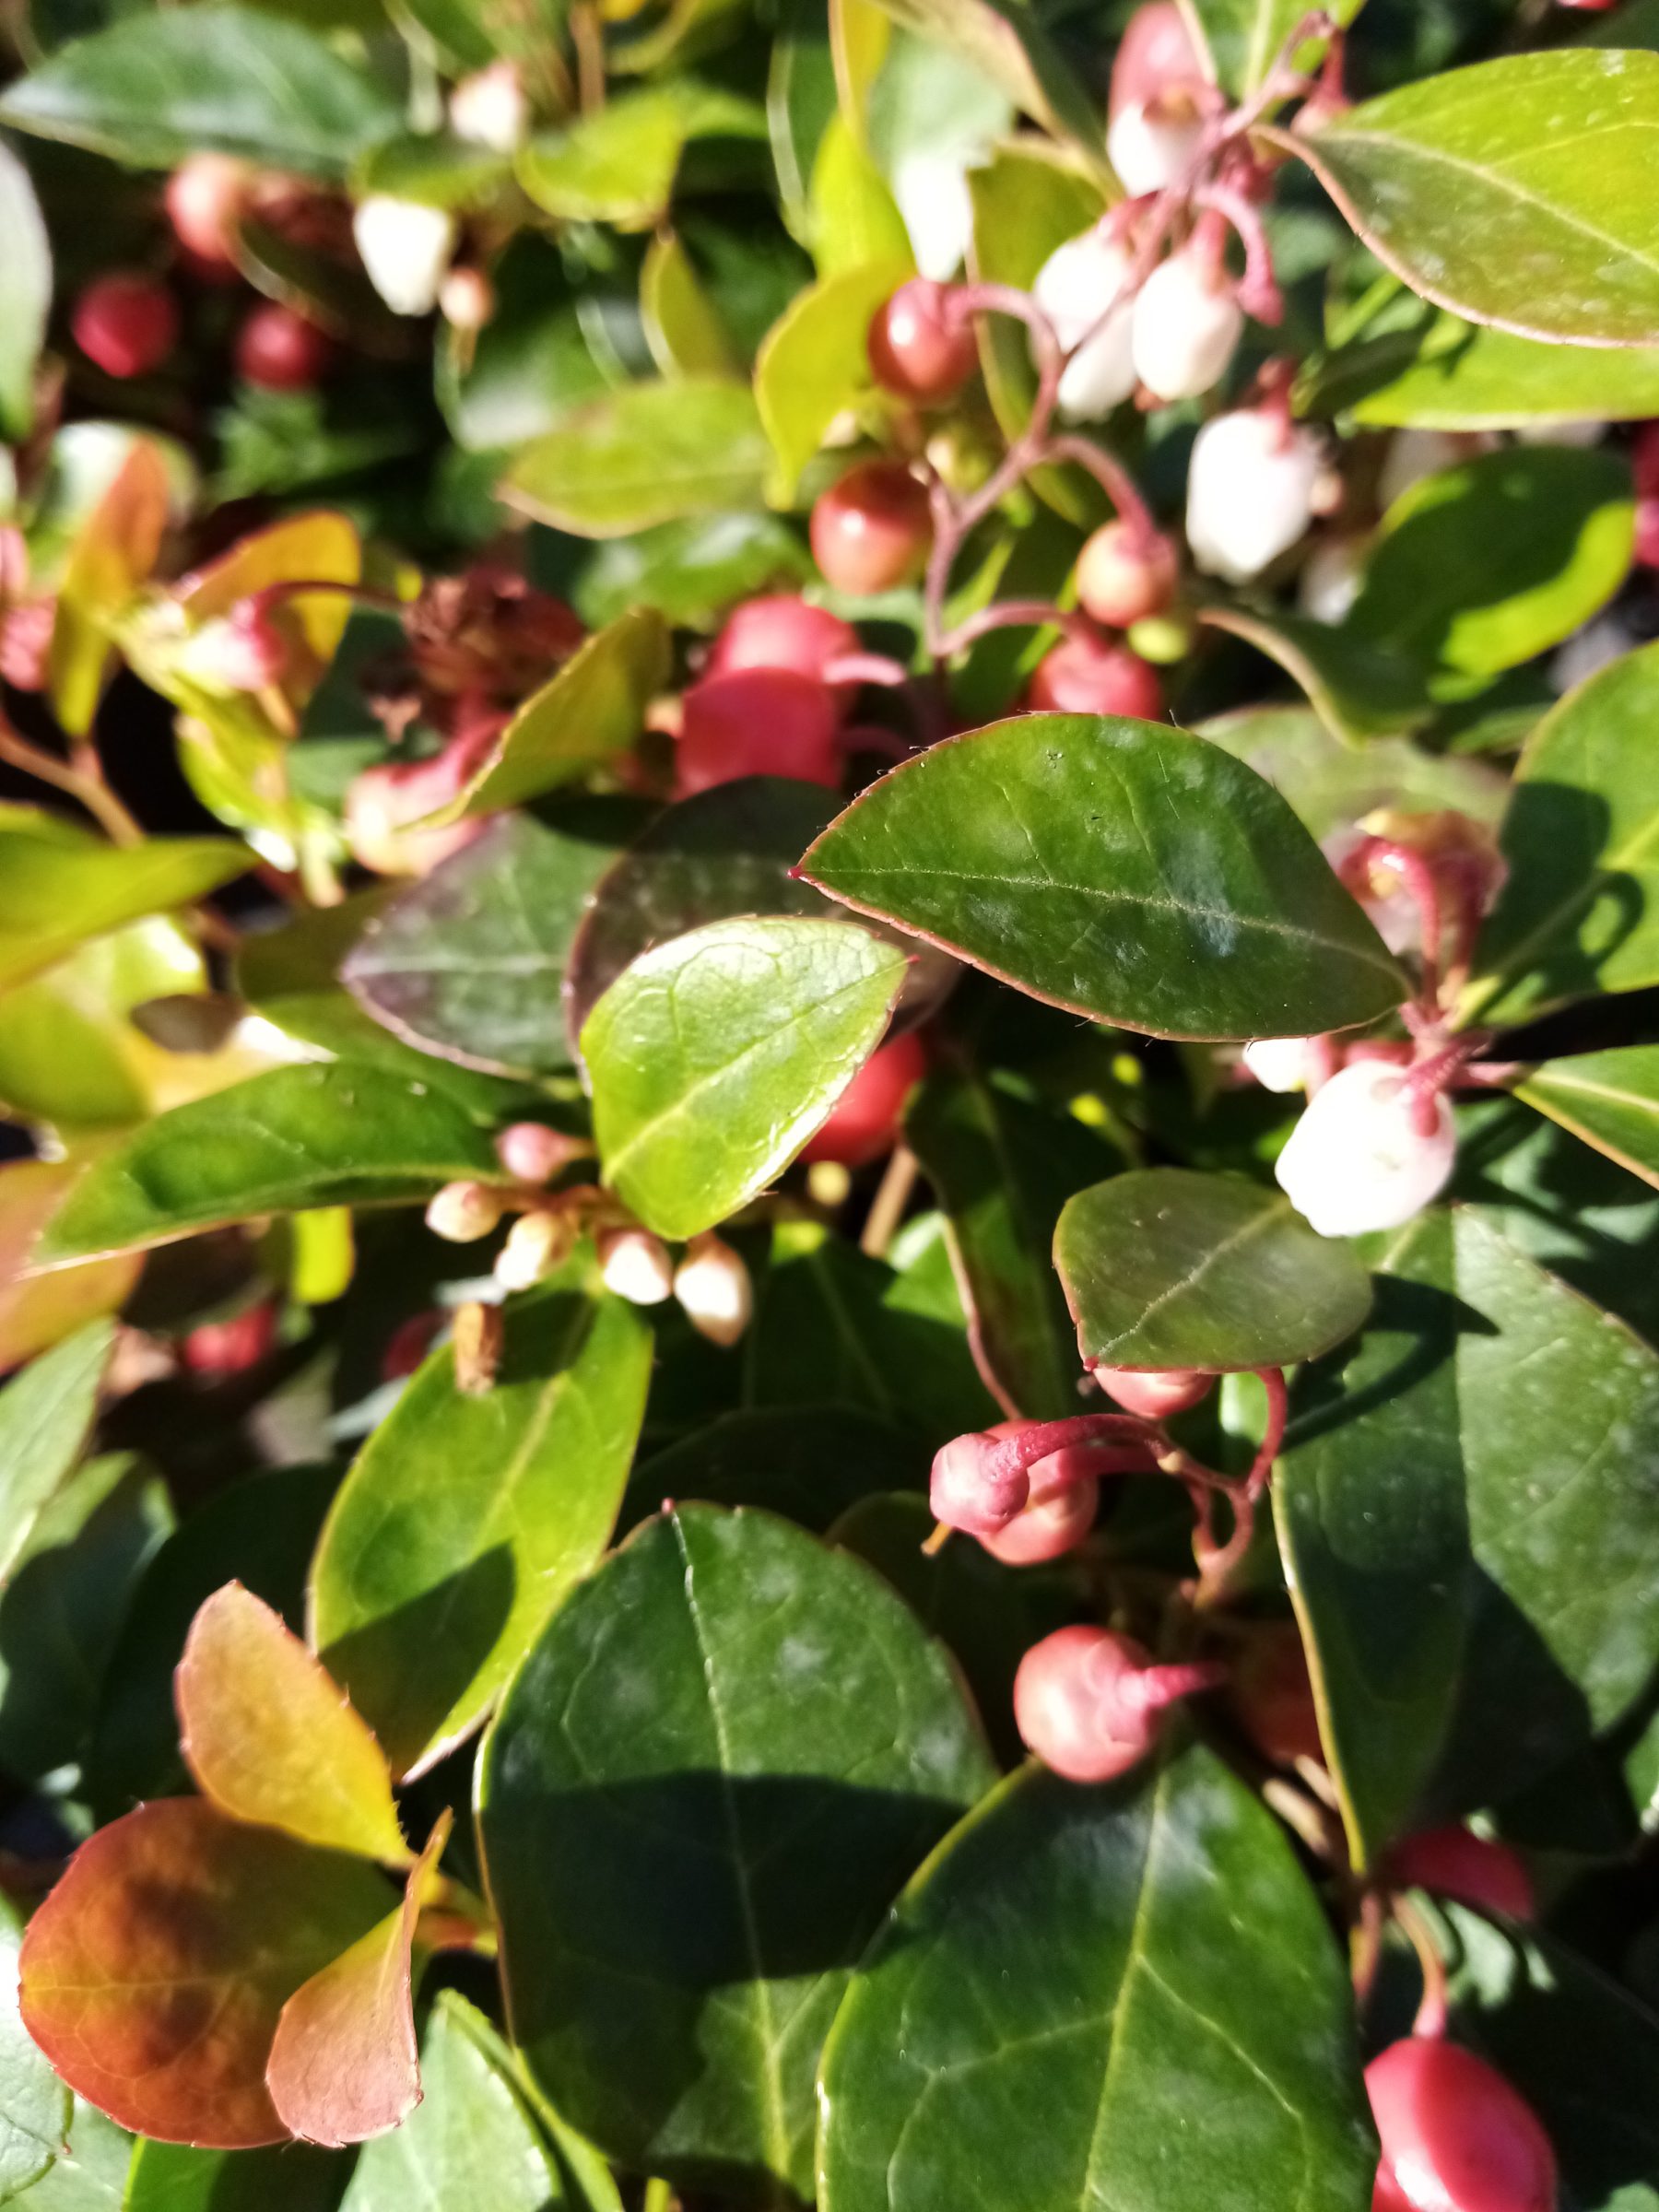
(1331, 785)
(46, 1414)
(651, 452)
(1611, 1100)
(854, 218)
(815, 365)
(617, 165)
(1007, 43)
(1247, 37)
(34, 2104)
(683, 326)
(25, 295)
(1446, 374)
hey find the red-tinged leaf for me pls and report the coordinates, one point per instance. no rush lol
(344, 2065)
(272, 1738)
(154, 1975)
(115, 551)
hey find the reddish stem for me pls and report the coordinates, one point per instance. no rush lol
(1041, 1440)
(1110, 474)
(1151, 1688)
(1018, 614)
(1259, 294)
(1272, 1380)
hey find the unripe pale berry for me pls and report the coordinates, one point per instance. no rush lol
(1155, 1392)
(127, 324)
(968, 1489)
(405, 248)
(489, 108)
(1456, 2137)
(204, 198)
(1155, 55)
(1080, 676)
(1455, 1861)
(533, 1153)
(1271, 1694)
(1186, 326)
(1330, 578)
(760, 721)
(871, 531)
(1367, 1153)
(280, 350)
(1091, 1705)
(863, 1122)
(408, 1345)
(535, 1245)
(1415, 453)
(714, 1288)
(783, 632)
(1150, 141)
(1250, 491)
(636, 1265)
(917, 349)
(463, 1212)
(1126, 573)
(1078, 289)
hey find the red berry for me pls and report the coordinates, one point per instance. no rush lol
(783, 632)
(761, 722)
(127, 324)
(408, 1345)
(1456, 2137)
(1644, 461)
(204, 198)
(1272, 1696)
(1059, 1510)
(863, 1122)
(1645, 551)
(1155, 55)
(1155, 1392)
(871, 532)
(281, 351)
(1457, 1862)
(227, 1348)
(1080, 677)
(1091, 1705)
(1126, 573)
(917, 348)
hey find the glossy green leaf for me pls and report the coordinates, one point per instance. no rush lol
(1008, 44)
(472, 2138)
(1466, 1516)
(297, 1138)
(474, 33)
(175, 2177)
(91, 2177)
(153, 87)
(1445, 374)
(1245, 38)
(816, 365)
(1611, 1100)
(618, 164)
(683, 326)
(1331, 785)
(46, 1414)
(25, 295)
(715, 1056)
(1489, 563)
(730, 1748)
(434, 170)
(34, 2104)
(1165, 1268)
(808, 1464)
(1117, 868)
(1144, 1966)
(59, 887)
(1360, 688)
(1580, 911)
(650, 453)
(1004, 1168)
(1519, 192)
(469, 962)
(694, 570)
(467, 1517)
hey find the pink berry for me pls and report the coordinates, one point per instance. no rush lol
(761, 722)
(917, 349)
(1155, 1392)
(229, 1347)
(783, 631)
(281, 351)
(1155, 54)
(863, 1122)
(1456, 2137)
(1081, 677)
(204, 198)
(1455, 1861)
(408, 1345)
(871, 531)
(1126, 573)
(127, 324)
(1090, 1704)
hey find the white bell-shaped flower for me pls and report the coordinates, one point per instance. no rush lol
(712, 1285)
(1250, 491)
(932, 196)
(489, 108)
(1360, 1157)
(1186, 326)
(1148, 149)
(406, 250)
(1076, 288)
(1278, 1062)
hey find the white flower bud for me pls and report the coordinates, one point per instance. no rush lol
(1250, 491)
(1075, 288)
(932, 196)
(407, 249)
(712, 1285)
(489, 109)
(1278, 1062)
(536, 1244)
(1329, 582)
(1186, 326)
(463, 1212)
(1360, 1159)
(1149, 150)
(636, 1265)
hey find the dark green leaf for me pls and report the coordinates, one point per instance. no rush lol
(1359, 689)
(1118, 868)
(1144, 1967)
(1163, 1268)
(469, 961)
(715, 1056)
(467, 1517)
(729, 1749)
(172, 2177)
(46, 1414)
(809, 1464)
(531, 363)
(1611, 1100)
(693, 571)
(1519, 192)
(25, 295)
(1466, 1511)
(297, 1138)
(154, 87)
(648, 453)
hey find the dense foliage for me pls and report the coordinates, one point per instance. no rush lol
(828, 932)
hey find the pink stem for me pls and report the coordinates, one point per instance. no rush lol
(1110, 474)
(1259, 294)
(866, 668)
(1149, 1689)
(1018, 614)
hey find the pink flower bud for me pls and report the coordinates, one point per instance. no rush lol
(1076, 287)
(636, 1265)
(1047, 1528)
(968, 1490)
(1368, 1152)
(532, 1152)
(1250, 491)
(1155, 1392)
(463, 1212)
(1091, 1705)
(1187, 324)
(714, 1288)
